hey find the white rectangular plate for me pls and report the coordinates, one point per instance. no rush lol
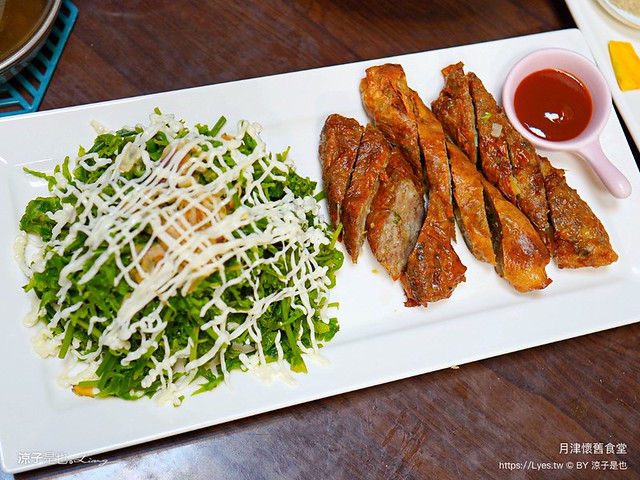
(598, 28)
(380, 340)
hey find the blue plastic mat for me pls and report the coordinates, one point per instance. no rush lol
(24, 92)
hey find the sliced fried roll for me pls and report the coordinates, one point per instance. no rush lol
(432, 143)
(433, 269)
(522, 183)
(387, 100)
(339, 142)
(580, 239)
(492, 143)
(454, 109)
(495, 230)
(521, 255)
(532, 195)
(468, 194)
(372, 160)
(506, 158)
(396, 215)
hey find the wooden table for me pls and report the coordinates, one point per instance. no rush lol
(471, 422)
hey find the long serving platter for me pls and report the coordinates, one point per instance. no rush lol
(380, 339)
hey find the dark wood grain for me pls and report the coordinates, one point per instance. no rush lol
(456, 423)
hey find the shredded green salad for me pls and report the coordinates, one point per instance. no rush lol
(168, 255)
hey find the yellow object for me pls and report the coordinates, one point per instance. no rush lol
(84, 391)
(626, 65)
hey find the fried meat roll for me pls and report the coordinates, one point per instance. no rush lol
(433, 269)
(507, 159)
(468, 194)
(532, 194)
(454, 109)
(373, 157)
(580, 239)
(396, 215)
(521, 254)
(387, 100)
(339, 142)
(432, 143)
(520, 179)
(492, 143)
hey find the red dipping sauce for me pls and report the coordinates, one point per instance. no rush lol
(553, 104)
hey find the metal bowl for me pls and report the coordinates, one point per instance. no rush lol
(24, 34)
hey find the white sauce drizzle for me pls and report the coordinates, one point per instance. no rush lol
(196, 232)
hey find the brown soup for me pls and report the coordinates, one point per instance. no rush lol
(19, 20)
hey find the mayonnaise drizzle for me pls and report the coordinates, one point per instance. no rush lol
(196, 231)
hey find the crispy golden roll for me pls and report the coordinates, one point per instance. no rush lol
(396, 215)
(436, 163)
(403, 181)
(454, 108)
(468, 193)
(433, 269)
(580, 239)
(532, 195)
(372, 160)
(387, 100)
(339, 142)
(507, 159)
(521, 254)
(522, 183)
(492, 143)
